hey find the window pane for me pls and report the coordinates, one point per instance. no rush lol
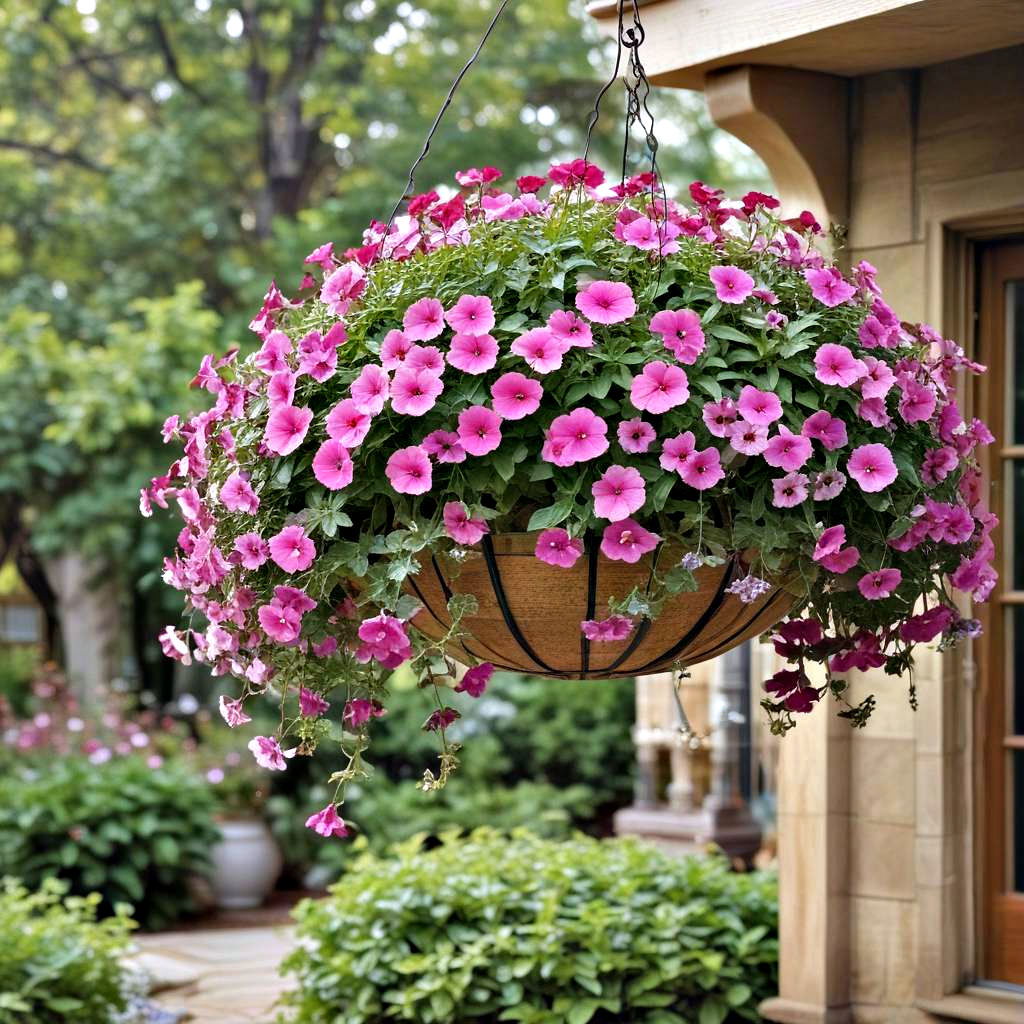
(19, 624)
(1015, 339)
(1013, 521)
(1017, 819)
(1015, 671)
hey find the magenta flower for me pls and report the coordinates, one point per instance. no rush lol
(347, 424)
(826, 428)
(281, 388)
(681, 333)
(332, 465)
(515, 396)
(618, 493)
(414, 392)
(659, 387)
(423, 320)
(921, 629)
(828, 485)
(606, 302)
(439, 720)
(394, 349)
(479, 430)
(675, 451)
(789, 490)
(567, 327)
(384, 638)
(878, 378)
(475, 681)
(627, 541)
(473, 353)
(842, 561)
(472, 314)
(787, 450)
(830, 553)
(311, 703)
(828, 286)
(917, 402)
(541, 349)
(233, 712)
(874, 586)
(268, 753)
(237, 494)
(327, 823)
(294, 597)
(271, 356)
(252, 550)
(837, 365)
(872, 466)
(282, 624)
(762, 408)
(292, 550)
(319, 362)
(873, 410)
(343, 287)
(731, 284)
(286, 428)
(370, 389)
(703, 469)
(577, 436)
(459, 526)
(425, 357)
(556, 547)
(748, 438)
(635, 436)
(359, 711)
(408, 470)
(605, 631)
(720, 416)
(325, 648)
(444, 445)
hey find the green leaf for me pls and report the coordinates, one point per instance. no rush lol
(726, 333)
(544, 518)
(712, 1011)
(738, 994)
(583, 1010)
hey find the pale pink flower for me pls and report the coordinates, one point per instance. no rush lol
(787, 450)
(762, 408)
(394, 349)
(292, 550)
(472, 314)
(636, 436)
(872, 466)
(605, 631)
(577, 436)
(475, 681)
(409, 471)
(479, 430)
(824, 427)
(332, 465)
(676, 450)
(703, 469)
(233, 712)
(878, 378)
(370, 389)
(319, 361)
(627, 541)
(875, 586)
(327, 823)
(281, 388)
(271, 356)
(618, 493)
(286, 428)
(342, 287)
(323, 256)
(556, 547)
(789, 490)
(541, 349)
(874, 411)
(268, 753)
(279, 622)
(252, 550)
(606, 302)
(515, 396)
(311, 704)
(237, 494)
(425, 357)
(720, 416)
(748, 438)
(659, 387)
(731, 284)
(459, 526)
(347, 424)
(567, 327)
(423, 320)
(681, 333)
(828, 286)
(828, 485)
(473, 353)
(444, 445)
(414, 392)
(837, 365)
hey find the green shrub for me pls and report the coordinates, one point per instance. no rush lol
(57, 962)
(132, 833)
(488, 929)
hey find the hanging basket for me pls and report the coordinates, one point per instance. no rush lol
(530, 612)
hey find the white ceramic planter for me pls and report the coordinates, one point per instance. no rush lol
(246, 863)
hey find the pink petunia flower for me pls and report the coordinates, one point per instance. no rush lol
(659, 387)
(237, 494)
(606, 302)
(874, 411)
(425, 357)
(830, 553)
(720, 416)
(789, 490)
(627, 541)
(828, 286)
(347, 424)
(268, 753)
(875, 586)
(311, 704)
(541, 349)
(286, 428)
(472, 314)
(824, 427)
(384, 638)
(731, 284)
(748, 438)
(762, 408)
(444, 445)
(556, 547)
(829, 485)
(281, 388)
(635, 436)
(878, 378)
(703, 469)
(605, 631)
(423, 320)
(479, 430)
(326, 647)
(676, 450)
(370, 389)
(294, 597)
(787, 450)
(872, 466)
(342, 288)
(327, 823)
(271, 356)
(838, 366)
(408, 470)
(681, 333)
(473, 353)
(233, 712)
(567, 327)
(359, 711)
(475, 681)
(460, 527)
(618, 493)
(252, 550)
(414, 392)
(332, 465)
(515, 396)
(281, 623)
(292, 550)
(917, 402)
(577, 436)
(394, 349)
